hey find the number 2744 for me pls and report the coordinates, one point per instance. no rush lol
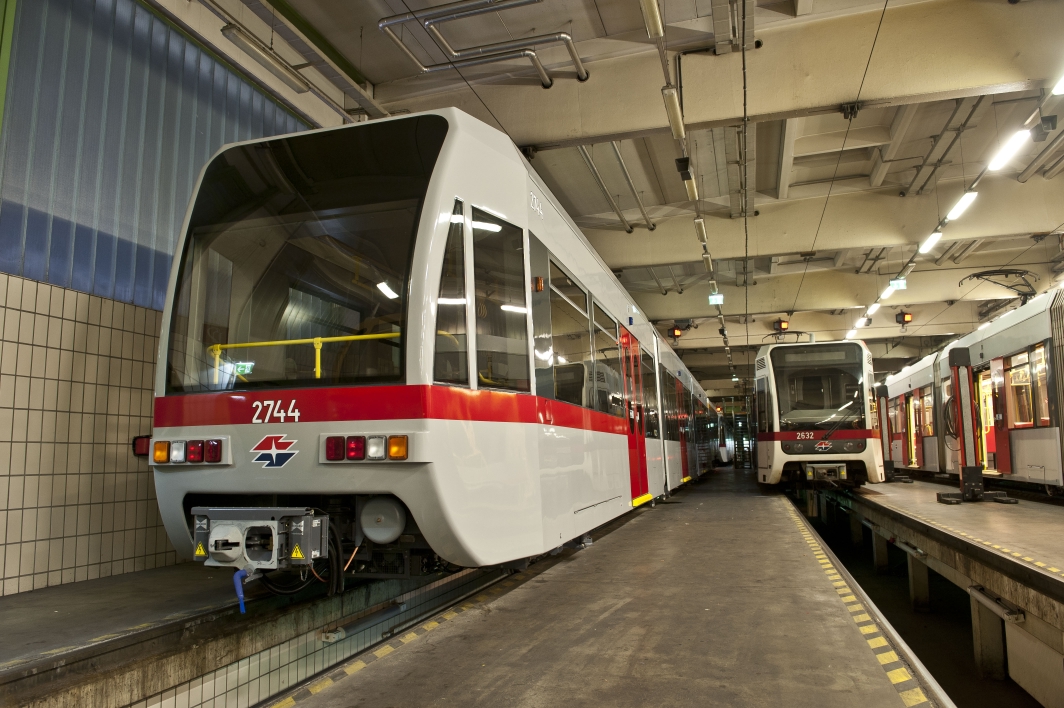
(267, 411)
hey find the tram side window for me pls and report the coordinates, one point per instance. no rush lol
(670, 409)
(502, 315)
(609, 383)
(451, 365)
(929, 409)
(571, 340)
(650, 397)
(1038, 361)
(1018, 391)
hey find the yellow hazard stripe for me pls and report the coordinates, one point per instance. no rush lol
(686, 479)
(642, 500)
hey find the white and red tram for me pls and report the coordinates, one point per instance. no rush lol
(388, 340)
(816, 414)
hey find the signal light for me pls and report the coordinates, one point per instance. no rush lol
(177, 451)
(213, 451)
(334, 448)
(397, 447)
(675, 332)
(194, 451)
(356, 447)
(161, 453)
(376, 447)
(781, 325)
(903, 318)
(142, 445)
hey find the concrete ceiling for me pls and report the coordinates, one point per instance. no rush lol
(838, 199)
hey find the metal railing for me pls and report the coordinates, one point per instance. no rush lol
(216, 350)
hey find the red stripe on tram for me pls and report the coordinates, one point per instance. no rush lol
(318, 405)
(819, 435)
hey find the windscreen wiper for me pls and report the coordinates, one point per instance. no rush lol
(842, 420)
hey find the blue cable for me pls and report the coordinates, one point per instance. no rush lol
(238, 583)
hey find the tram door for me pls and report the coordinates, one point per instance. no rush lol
(637, 425)
(987, 437)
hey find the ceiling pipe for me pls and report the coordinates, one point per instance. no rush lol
(945, 153)
(526, 43)
(967, 251)
(458, 10)
(602, 185)
(947, 253)
(664, 290)
(1042, 158)
(631, 186)
(1054, 169)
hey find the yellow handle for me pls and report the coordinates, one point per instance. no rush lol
(216, 349)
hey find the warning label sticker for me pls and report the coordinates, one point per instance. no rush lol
(297, 554)
(201, 552)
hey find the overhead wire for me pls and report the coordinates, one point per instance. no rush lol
(842, 150)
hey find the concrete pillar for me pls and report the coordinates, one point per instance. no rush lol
(856, 529)
(988, 637)
(823, 508)
(810, 503)
(919, 589)
(879, 553)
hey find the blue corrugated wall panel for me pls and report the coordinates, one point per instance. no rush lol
(110, 115)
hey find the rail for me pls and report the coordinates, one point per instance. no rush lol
(217, 349)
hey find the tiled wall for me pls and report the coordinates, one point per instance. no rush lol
(76, 375)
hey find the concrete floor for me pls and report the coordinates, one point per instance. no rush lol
(62, 618)
(711, 599)
(1027, 531)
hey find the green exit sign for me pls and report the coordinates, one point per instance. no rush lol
(243, 368)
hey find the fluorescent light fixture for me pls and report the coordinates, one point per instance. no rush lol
(984, 325)
(734, 377)
(457, 218)
(1059, 88)
(652, 18)
(1009, 150)
(959, 208)
(258, 51)
(899, 284)
(700, 230)
(388, 292)
(707, 261)
(930, 242)
(562, 359)
(514, 308)
(672, 107)
(887, 293)
(692, 189)
(873, 308)
(452, 301)
(851, 334)
(484, 226)
(863, 322)
(716, 299)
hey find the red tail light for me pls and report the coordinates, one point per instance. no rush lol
(213, 452)
(356, 447)
(142, 445)
(194, 451)
(334, 448)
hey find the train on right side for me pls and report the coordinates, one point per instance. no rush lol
(1017, 363)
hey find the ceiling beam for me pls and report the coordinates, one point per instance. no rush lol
(805, 67)
(884, 155)
(791, 128)
(1005, 207)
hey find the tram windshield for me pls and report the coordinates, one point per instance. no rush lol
(819, 386)
(297, 259)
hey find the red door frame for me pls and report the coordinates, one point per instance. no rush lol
(634, 411)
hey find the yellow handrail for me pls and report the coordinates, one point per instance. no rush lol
(216, 349)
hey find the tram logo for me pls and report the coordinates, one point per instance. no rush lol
(274, 451)
(823, 446)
